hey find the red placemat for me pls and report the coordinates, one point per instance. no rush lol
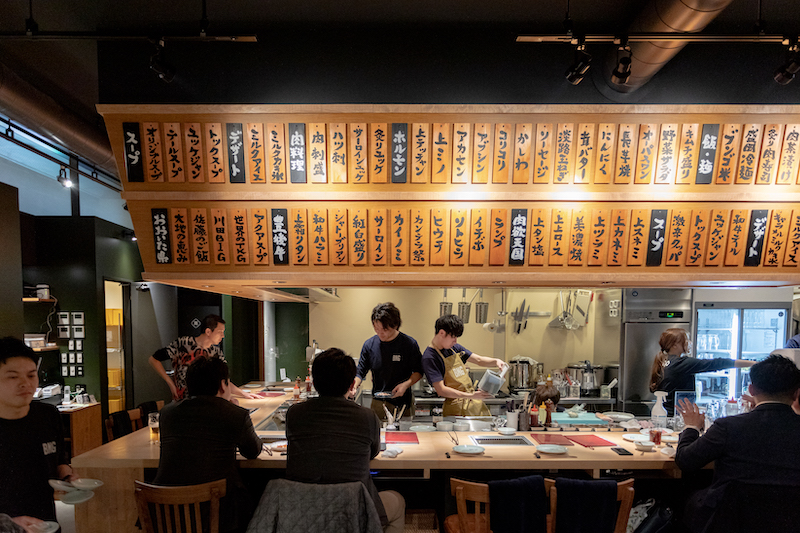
(273, 394)
(549, 438)
(590, 440)
(401, 437)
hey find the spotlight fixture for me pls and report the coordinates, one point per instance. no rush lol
(63, 179)
(158, 65)
(577, 71)
(128, 235)
(623, 70)
(785, 73)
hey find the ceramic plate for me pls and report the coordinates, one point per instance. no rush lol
(252, 386)
(617, 416)
(279, 445)
(382, 395)
(468, 449)
(421, 429)
(636, 437)
(77, 496)
(44, 527)
(63, 486)
(551, 448)
(669, 452)
(669, 438)
(664, 431)
(507, 431)
(87, 484)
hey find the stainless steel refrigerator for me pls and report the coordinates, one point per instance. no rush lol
(646, 313)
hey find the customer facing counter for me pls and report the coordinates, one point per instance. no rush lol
(124, 460)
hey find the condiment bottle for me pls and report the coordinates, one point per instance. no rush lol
(308, 383)
(542, 414)
(534, 414)
(296, 391)
(549, 407)
(731, 408)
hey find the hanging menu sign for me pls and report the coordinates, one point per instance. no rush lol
(598, 236)
(259, 240)
(400, 236)
(377, 153)
(645, 159)
(606, 150)
(317, 153)
(540, 235)
(134, 164)
(585, 154)
(215, 153)
(478, 236)
(792, 257)
(737, 236)
(565, 153)
(497, 244)
(179, 227)
(161, 236)
(297, 152)
(241, 252)
(459, 226)
(522, 154)
(378, 232)
(199, 228)
(280, 237)
(420, 153)
(482, 150)
(519, 235)
(357, 162)
(420, 236)
(337, 154)
(778, 230)
(236, 159)
(358, 237)
(618, 240)
(787, 171)
(219, 223)
(638, 245)
(666, 164)
(559, 236)
(626, 153)
(577, 238)
(687, 152)
(708, 153)
(399, 152)
(318, 229)
(173, 145)
(194, 152)
(438, 229)
(770, 149)
(759, 219)
(462, 153)
(679, 219)
(276, 153)
(502, 153)
(748, 161)
(152, 154)
(698, 233)
(440, 171)
(718, 231)
(657, 236)
(729, 153)
(337, 227)
(543, 156)
(255, 153)
(297, 236)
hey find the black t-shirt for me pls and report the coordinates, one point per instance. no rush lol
(31, 448)
(679, 375)
(391, 363)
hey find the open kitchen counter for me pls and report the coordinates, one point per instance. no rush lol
(124, 460)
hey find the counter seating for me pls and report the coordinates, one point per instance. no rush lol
(177, 509)
(625, 494)
(124, 423)
(464, 521)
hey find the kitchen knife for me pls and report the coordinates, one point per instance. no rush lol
(527, 313)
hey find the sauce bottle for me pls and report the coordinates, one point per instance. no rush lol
(542, 414)
(534, 414)
(296, 391)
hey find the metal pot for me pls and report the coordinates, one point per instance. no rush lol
(520, 376)
(590, 380)
(575, 372)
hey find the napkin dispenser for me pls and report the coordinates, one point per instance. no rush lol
(492, 381)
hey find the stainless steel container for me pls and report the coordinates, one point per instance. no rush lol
(575, 372)
(520, 375)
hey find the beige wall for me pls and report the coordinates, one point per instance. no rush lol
(346, 324)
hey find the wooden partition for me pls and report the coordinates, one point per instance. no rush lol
(244, 197)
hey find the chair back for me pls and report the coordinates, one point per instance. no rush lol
(177, 509)
(464, 522)
(752, 507)
(625, 494)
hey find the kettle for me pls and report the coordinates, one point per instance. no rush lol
(492, 381)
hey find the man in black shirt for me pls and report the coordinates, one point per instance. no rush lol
(395, 361)
(31, 440)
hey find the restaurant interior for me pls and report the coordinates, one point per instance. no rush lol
(79, 79)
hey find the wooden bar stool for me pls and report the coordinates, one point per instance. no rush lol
(177, 509)
(466, 522)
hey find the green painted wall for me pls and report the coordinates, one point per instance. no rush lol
(291, 339)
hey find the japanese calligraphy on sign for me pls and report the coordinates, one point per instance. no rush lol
(276, 153)
(399, 152)
(599, 229)
(778, 231)
(297, 237)
(737, 238)
(482, 154)
(297, 152)
(502, 153)
(708, 153)
(420, 236)
(756, 233)
(438, 237)
(317, 153)
(338, 231)
(400, 236)
(657, 237)
(420, 153)
(618, 240)
(478, 237)
(219, 243)
(585, 153)
(256, 156)
(134, 160)
(606, 151)
(459, 236)
(521, 172)
(337, 153)
(152, 153)
(751, 148)
(378, 236)
(161, 236)
(577, 238)
(357, 233)
(498, 232)
(442, 151)
(539, 236)
(718, 232)
(241, 250)
(679, 224)
(729, 153)
(559, 236)
(215, 153)
(666, 164)
(638, 245)
(565, 153)
(646, 153)
(518, 239)
(179, 227)
(259, 239)
(462, 153)
(770, 150)
(627, 143)
(688, 152)
(543, 154)
(787, 171)
(280, 237)
(792, 257)
(357, 162)
(173, 147)
(378, 152)
(236, 157)
(192, 140)
(698, 233)
(318, 236)
(200, 237)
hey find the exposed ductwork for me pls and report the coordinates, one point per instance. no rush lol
(666, 16)
(38, 112)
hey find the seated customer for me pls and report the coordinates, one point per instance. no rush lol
(32, 446)
(759, 447)
(199, 438)
(332, 439)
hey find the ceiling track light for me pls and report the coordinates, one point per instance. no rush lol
(63, 179)
(785, 73)
(158, 65)
(580, 66)
(622, 71)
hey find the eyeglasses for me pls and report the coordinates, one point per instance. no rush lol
(453, 437)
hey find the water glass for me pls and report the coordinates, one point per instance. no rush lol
(153, 424)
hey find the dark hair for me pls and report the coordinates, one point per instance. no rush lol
(211, 322)
(13, 347)
(668, 339)
(388, 315)
(333, 371)
(204, 375)
(451, 324)
(775, 377)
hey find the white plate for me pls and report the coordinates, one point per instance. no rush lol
(63, 486)
(551, 448)
(279, 445)
(636, 437)
(669, 452)
(617, 416)
(44, 527)
(507, 431)
(664, 431)
(87, 484)
(669, 438)
(77, 496)
(252, 386)
(468, 449)
(421, 429)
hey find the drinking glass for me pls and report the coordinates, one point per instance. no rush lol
(153, 424)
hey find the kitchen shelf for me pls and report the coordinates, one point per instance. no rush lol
(46, 349)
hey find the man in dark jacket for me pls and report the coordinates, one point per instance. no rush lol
(759, 447)
(199, 438)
